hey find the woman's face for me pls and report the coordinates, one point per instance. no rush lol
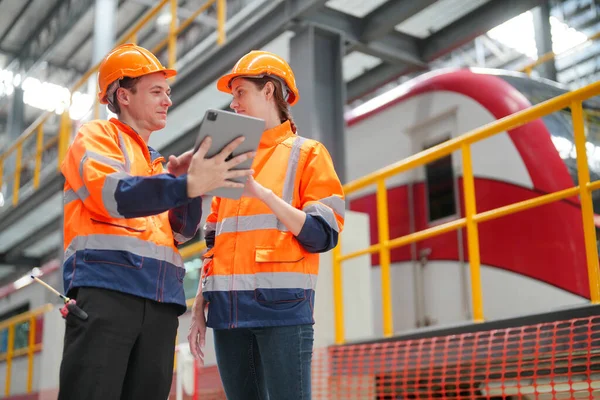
(249, 100)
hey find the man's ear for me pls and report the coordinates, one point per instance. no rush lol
(123, 96)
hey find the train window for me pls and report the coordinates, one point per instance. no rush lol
(21, 330)
(439, 188)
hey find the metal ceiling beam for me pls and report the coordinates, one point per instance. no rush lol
(21, 262)
(385, 17)
(474, 24)
(40, 233)
(43, 40)
(264, 25)
(47, 189)
(373, 79)
(57, 67)
(90, 34)
(15, 20)
(395, 47)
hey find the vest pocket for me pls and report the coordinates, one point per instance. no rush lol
(274, 267)
(113, 257)
(134, 224)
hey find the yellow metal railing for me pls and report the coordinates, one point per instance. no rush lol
(30, 158)
(472, 219)
(29, 350)
(550, 56)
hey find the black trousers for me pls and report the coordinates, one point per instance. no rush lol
(123, 351)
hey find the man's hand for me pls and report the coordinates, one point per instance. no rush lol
(206, 174)
(197, 333)
(179, 165)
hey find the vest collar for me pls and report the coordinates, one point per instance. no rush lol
(274, 136)
(135, 136)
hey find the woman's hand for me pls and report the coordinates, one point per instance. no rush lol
(255, 190)
(197, 333)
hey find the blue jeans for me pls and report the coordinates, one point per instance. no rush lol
(271, 363)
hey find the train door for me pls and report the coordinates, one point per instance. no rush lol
(440, 275)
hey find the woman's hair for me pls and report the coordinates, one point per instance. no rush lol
(126, 83)
(282, 105)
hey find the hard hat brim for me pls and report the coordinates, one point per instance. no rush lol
(223, 84)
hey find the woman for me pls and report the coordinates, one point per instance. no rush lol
(260, 270)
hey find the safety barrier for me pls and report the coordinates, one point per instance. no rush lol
(29, 322)
(32, 148)
(472, 219)
(557, 360)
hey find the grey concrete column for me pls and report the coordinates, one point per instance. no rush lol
(105, 27)
(316, 58)
(543, 39)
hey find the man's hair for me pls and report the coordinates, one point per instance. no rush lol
(126, 83)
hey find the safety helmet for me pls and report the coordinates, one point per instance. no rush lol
(260, 64)
(127, 60)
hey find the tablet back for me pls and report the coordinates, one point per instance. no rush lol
(224, 126)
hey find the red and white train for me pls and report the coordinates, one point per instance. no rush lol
(532, 261)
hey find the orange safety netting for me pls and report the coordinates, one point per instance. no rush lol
(556, 360)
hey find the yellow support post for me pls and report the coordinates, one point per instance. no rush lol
(9, 357)
(38, 156)
(587, 209)
(384, 258)
(472, 233)
(173, 35)
(30, 352)
(63, 136)
(17, 180)
(338, 296)
(221, 16)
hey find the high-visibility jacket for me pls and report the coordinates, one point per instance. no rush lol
(258, 273)
(124, 216)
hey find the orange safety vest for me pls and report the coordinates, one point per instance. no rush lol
(259, 274)
(105, 244)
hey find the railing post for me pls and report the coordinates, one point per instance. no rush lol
(338, 296)
(9, 357)
(64, 132)
(17, 180)
(30, 353)
(384, 258)
(38, 156)
(1, 173)
(221, 16)
(587, 207)
(472, 233)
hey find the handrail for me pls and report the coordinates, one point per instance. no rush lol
(60, 142)
(549, 56)
(573, 100)
(31, 348)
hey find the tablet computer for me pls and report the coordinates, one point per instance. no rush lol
(223, 127)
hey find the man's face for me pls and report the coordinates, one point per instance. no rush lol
(149, 104)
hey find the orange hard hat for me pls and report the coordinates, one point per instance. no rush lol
(127, 60)
(261, 64)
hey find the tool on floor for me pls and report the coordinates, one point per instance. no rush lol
(70, 304)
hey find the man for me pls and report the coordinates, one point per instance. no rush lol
(123, 218)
